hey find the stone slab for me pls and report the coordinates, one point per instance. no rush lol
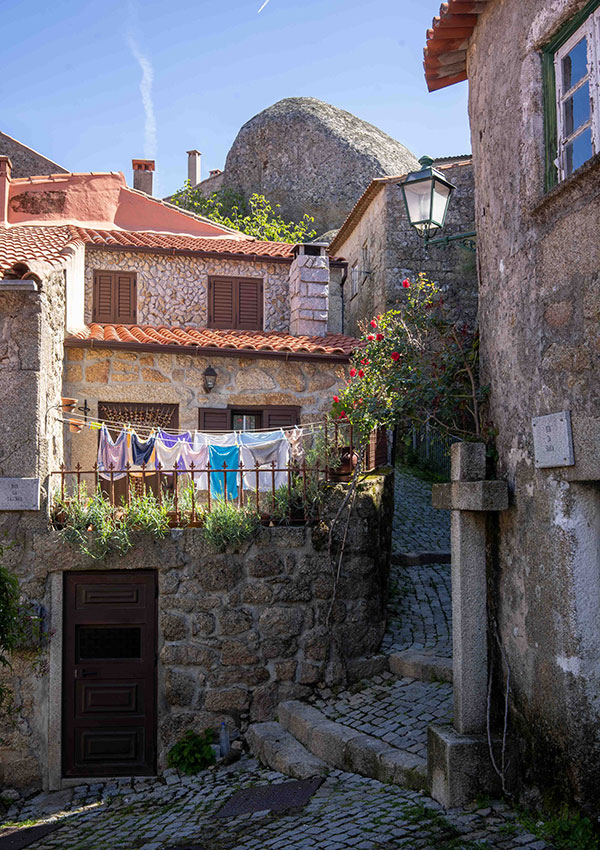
(419, 559)
(273, 798)
(553, 440)
(19, 494)
(279, 750)
(418, 665)
(459, 767)
(470, 496)
(467, 461)
(21, 837)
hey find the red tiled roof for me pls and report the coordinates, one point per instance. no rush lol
(447, 42)
(226, 341)
(177, 242)
(46, 244)
(23, 246)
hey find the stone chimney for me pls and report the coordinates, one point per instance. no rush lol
(143, 174)
(194, 167)
(5, 169)
(214, 172)
(309, 290)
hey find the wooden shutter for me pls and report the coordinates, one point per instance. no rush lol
(213, 419)
(115, 297)
(103, 297)
(221, 303)
(250, 303)
(125, 299)
(280, 417)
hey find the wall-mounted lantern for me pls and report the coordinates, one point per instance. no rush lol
(210, 378)
(426, 196)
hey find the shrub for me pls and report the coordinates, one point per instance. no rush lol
(229, 524)
(193, 752)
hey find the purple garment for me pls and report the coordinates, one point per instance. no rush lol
(113, 454)
(169, 440)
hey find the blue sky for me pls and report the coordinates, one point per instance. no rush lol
(71, 75)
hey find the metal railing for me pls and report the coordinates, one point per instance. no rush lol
(428, 447)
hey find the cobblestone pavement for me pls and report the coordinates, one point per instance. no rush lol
(418, 526)
(397, 711)
(348, 812)
(419, 610)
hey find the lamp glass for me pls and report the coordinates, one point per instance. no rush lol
(426, 196)
(210, 378)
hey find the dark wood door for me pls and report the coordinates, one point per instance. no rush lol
(109, 673)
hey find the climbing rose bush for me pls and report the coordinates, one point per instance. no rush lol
(416, 364)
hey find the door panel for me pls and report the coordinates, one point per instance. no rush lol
(109, 673)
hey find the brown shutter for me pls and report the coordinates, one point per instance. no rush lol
(280, 417)
(125, 299)
(221, 300)
(213, 419)
(250, 303)
(103, 300)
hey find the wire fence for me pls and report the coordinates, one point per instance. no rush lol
(429, 448)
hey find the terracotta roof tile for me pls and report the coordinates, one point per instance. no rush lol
(336, 345)
(22, 249)
(448, 40)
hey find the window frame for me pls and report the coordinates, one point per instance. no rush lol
(249, 409)
(115, 318)
(585, 23)
(366, 260)
(354, 272)
(258, 282)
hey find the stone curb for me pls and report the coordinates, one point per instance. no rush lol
(348, 749)
(420, 559)
(419, 665)
(275, 747)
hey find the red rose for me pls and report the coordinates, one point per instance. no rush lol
(379, 337)
(336, 399)
(373, 323)
(352, 372)
(370, 337)
(395, 356)
(343, 414)
(361, 374)
(406, 283)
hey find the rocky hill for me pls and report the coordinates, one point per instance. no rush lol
(309, 156)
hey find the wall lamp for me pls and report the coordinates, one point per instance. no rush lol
(210, 378)
(426, 196)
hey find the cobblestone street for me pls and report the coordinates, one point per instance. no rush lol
(417, 525)
(346, 812)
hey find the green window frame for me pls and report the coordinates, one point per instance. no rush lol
(558, 136)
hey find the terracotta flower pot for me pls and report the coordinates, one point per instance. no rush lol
(68, 404)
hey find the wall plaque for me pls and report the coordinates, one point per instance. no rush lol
(19, 494)
(552, 440)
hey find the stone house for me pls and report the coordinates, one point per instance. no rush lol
(533, 107)
(121, 301)
(381, 248)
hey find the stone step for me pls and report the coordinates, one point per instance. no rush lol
(350, 750)
(417, 559)
(276, 748)
(420, 665)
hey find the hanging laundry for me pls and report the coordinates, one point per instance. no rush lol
(265, 449)
(113, 453)
(295, 439)
(202, 439)
(141, 452)
(168, 455)
(170, 440)
(199, 458)
(218, 455)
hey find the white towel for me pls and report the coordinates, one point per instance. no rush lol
(264, 453)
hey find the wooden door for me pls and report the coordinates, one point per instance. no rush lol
(109, 673)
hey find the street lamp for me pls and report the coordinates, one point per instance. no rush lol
(210, 378)
(426, 196)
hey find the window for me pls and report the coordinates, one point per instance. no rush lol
(366, 262)
(247, 419)
(354, 281)
(572, 81)
(114, 298)
(235, 303)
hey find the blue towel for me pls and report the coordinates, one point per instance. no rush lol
(258, 438)
(141, 452)
(217, 456)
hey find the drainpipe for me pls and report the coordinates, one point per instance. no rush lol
(342, 282)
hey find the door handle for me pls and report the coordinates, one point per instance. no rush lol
(85, 673)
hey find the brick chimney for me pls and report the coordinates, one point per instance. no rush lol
(194, 167)
(142, 174)
(5, 169)
(309, 290)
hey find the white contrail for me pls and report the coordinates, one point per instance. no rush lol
(145, 90)
(262, 7)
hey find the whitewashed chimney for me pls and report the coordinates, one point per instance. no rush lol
(194, 167)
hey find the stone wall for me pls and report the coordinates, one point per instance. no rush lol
(102, 374)
(172, 290)
(396, 251)
(539, 257)
(238, 631)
